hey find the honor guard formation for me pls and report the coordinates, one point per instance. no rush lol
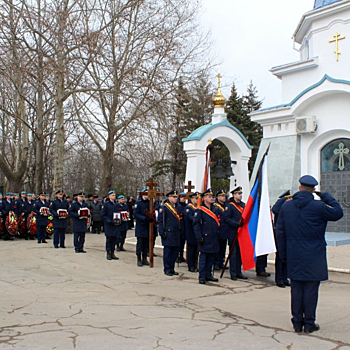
(195, 228)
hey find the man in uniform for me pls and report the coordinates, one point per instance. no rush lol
(59, 221)
(233, 218)
(142, 228)
(123, 228)
(206, 229)
(7, 205)
(219, 209)
(110, 222)
(21, 208)
(96, 207)
(281, 277)
(79, 222)
(170, 227)
(41, 217)
(301, 243)
(192, 245)
(181, 204)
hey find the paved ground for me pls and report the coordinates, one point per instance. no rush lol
(56, 299)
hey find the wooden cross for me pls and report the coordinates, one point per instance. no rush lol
(336, 39)
(189, 188)
(152, 194)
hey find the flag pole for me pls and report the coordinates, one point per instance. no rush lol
(229, 255)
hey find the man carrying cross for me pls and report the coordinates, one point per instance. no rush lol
(170, 227)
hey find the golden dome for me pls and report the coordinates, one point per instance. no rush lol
(219, 100)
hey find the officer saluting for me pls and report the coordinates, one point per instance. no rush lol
(301, 242)
(233, 218)
(169, 226)
(206, 229)
(192, 245)
(281, 277)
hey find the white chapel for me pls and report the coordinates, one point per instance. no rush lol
(309, 133)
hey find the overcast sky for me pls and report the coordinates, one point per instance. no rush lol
(252, 36)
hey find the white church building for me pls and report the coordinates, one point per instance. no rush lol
(309, 133)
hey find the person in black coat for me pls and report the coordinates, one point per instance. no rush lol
(57, 206)
(131, 205)
(41, 217)
(192, 245)
(300, 234)
(123, 228)
(206, 229)
(96, 207)
(7, 205)
(111, 221)
(142, 228)
(170, 227)
(281, 277)
(21, 208)
(233, 218)
(181, 204)
(219, 209)
(79, 221)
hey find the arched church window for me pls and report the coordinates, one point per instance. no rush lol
(335, 156)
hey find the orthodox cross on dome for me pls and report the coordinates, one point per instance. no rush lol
(219, 76)
(336, 39)
(341, 151)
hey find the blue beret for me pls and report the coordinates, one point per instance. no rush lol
(144, 190)
(121, 196)
(110, 192)
(207, 192)
(308, 181)
(8, 194)
(172, 193)
(23, 192)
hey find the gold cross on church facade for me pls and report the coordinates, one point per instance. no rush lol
(336, 39)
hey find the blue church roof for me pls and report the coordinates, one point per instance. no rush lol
(322, 3)
(201, 131)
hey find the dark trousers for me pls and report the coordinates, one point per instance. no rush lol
(235, 260)
(142, 246)
(111, 241)
(304, 303)
(41, 233)
(280, 270)
(182, 247)
(96, 226)
(121, 239)
(59, 235)
(220, 256)
(261, 263)
(205, 265)
(192, 250)
(79, 240)
(169, 258)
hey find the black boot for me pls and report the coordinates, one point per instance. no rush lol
(122, 249)
(144, 260)
(109, 255)
(139, 262)
(114, 257)
(118, 247)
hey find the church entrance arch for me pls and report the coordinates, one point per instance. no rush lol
(335, 178)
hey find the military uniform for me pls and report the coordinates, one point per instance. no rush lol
(301, 242)
(142, 229)
(232, 217)
(170, 227)
(206, 229)
(281, 277)
(181, 204)
(59, 224)
(192, 245)
(7, 206)
(123, 228)
(79, 224)
(41, 220)
(21, 208)
(110, 223)
(219, 210)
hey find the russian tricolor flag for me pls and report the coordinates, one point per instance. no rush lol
(256, 237)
